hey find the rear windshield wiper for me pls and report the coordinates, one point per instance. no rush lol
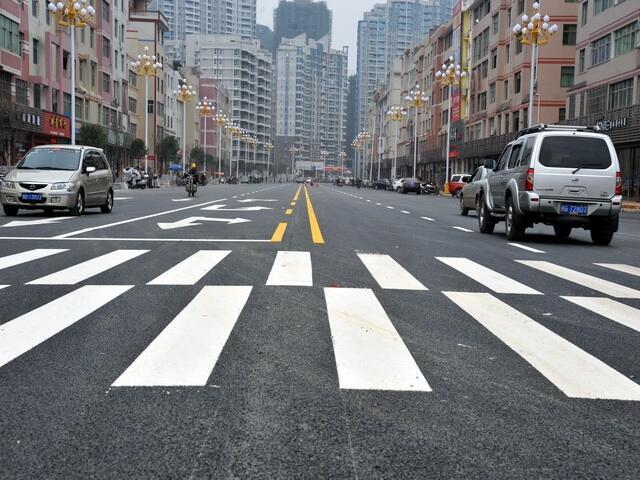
(585, 166)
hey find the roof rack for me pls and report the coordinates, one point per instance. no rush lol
(542, 127)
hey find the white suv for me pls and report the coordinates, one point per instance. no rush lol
(564, 176)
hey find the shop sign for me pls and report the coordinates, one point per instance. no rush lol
(614, 124)
(57, 125)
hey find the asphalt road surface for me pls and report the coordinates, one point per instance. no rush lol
(272, 331)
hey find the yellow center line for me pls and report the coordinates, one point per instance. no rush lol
(289, 211)
(316, 234)
(297, 195)
(293, 204)
(279, 233)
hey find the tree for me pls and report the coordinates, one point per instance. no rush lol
(167, 150)
(92, 135)
(196, 155)
(137, 149)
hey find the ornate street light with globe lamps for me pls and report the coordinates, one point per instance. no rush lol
(417, 99)
(396, 113)
(293, 150)
(146, 66)
(206, 109)
(231, 128)
(73, 14)
(365, 138)
(534, 31)
(268, 147)
(342, 156)
(221, 120)
(185, 93)
(449, 75)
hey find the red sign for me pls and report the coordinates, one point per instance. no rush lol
(56, 125)
(455, 105)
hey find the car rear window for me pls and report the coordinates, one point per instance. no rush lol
(455, 178)
(575, 152)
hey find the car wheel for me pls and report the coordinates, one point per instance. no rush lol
(78, 208)
(464, 211)
(513, 224)
(398, 189)
(108, 205)
(562, 231)
(418, 191)
(10, 210)
(602, 231)
(458, 192)
(485, 222)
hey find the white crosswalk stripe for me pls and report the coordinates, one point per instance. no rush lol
(191, 270)
(4, 286)
(29, 330)
(388, 273)
(28, 256)
(608, 308)
(574, 371)
(489, 278)
(369, 352)
(291, 269)
(186, 351)
(589, 281)
(85, 270)
(621, 267)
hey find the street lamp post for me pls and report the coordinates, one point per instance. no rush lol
(449, 75)
(417, 99)
(323, 154)
(293, 151)
(206, 109)
(534, 31)
(395, 114)
(73, 14)
(342, 156)
(146, 66)
(356, 144)
(184, 94)
(268, 147)
(230, 127)
(220, 120)
(365, 137)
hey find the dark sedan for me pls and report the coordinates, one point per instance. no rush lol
(411, 185)
(382, 184)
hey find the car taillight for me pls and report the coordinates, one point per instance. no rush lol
(618, 183)
(528, 181)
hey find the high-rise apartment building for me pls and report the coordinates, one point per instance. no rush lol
(292, 18)
(384, 33)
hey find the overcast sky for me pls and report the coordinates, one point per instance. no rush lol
(346, 14)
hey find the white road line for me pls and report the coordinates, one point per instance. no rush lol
(291, 269)
(608, 308)
(574, 371)
(594, 283)
(28, 256)
(390, 208)
(621, 267)
(462, 229)
(368, 201)
(524, 247)
(428, 219)
(405, 212)
(187, 350)
(192, 269)
(495, 281)
(379, 204)
(31, 329)
(181, 199)
(122, 198)
(137, 219)
(370, 354)
(4, 286)
(150, 239)
(388, 273)
(90, 268)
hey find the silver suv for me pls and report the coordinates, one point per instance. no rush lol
(567, 177)
(54, 177)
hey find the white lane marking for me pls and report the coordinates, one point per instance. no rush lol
(368, 201)
(187, 350)
(192, 269)
(123, 198)
(405, 212)
(235, 196)
(31, 329)
(390, 208)
(621, 267)
(125, 239)
(82, 271)
(291, 268)
(241, 209)
(28, 256)
(574, 371)
(370, 354)
(29, 223)
(485, 276)
(137, 219)
(252, 200)
(428, 219)
(4, 286)
(195, 221)
(388, 273)
(379, 204)
(608, 308)
(524, 247)
(594, 283)
(462, 229)
(181, 199)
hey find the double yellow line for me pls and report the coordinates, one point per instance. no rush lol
(314, 226)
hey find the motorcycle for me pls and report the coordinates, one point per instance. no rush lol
(191, 186)
(134, 180)
(428, 188)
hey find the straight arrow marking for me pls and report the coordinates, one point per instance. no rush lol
(222, 208)
(42, 221)
(194, 221)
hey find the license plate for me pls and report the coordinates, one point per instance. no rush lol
(31, 197)
(574, 209)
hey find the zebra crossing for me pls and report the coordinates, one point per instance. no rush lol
(369, 352)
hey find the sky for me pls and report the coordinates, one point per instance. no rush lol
(346, 14)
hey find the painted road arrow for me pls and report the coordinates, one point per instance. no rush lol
(194, 221)
(221, 208)
(26, 223)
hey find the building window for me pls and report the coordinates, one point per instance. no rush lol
(484, 69)
(520, 6)
(596, 100)
(584, 16)
(506, 90)
(600, 6)
(37, 95)
(572, 106)
(517, 80)
(149, 106)
(82, 66)
(495, 23)
(34, 53)
(34, 8)
(569, 31)
(600, 50)
(621, 94)
(106, 10)
(94, 75)
(625, 39)
(133, 105)
(115, 28)
(106, 47)
(507, 53)
(66, 104)
(92, 37)
(54, 100)
(518, 47)
(115, 59)
(21, 92)
(133, 78)
(65, 62)
(492, 93)
(494, 58)
(581, 60)
(106, 82)
(9, 35)
(482, 101)
(566, 76)
(562, 114)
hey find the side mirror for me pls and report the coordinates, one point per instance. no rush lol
(490, 164)
(90, 169)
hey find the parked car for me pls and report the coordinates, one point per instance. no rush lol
(564, 176)
(471, 190)
(383, 184)
(52, 177)
(397, 184)
(411, 185)
(457, 182)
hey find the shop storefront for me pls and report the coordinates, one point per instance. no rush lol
(30, 127)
